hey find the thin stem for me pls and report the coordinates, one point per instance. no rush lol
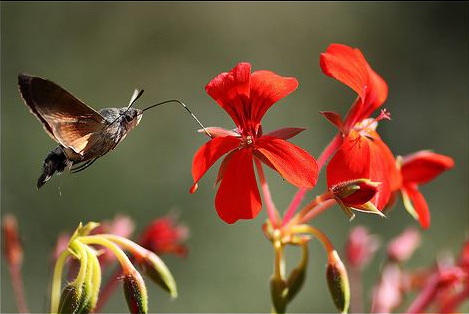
(279, 266)
(18, 288)
(318, 209)
(127, 266)
(57, 281)
(271, 211)
(133, 247)
(317, 233)
(325, 155)
(300, 217)
(356, 285)
(108, 289)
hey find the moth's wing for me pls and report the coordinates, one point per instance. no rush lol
(65, 118)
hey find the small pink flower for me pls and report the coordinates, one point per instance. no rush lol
(402, 247)
(360, 247)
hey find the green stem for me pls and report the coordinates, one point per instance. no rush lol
(57, 281)
(317, 233)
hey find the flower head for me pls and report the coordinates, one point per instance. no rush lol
(361, 246)
(362, 154)
(417, 169)
(165, 236)
(246, 97)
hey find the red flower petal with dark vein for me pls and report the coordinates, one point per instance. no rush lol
(266, 89)
(238, 196)
(424, 166)
(419, 205)
(209, 153)
(294, 164)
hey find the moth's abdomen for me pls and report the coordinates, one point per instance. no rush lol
(55, 162)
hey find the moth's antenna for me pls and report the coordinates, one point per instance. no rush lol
(185, 107)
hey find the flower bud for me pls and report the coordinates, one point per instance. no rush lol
(135, 293)
(278, 291)
(12, 248)
(355, 192)
(356, 195)
(71, 299)
(337, 280)
(295, 282)
(154, 268)
(297, 276)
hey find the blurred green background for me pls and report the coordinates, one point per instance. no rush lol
(102, 51)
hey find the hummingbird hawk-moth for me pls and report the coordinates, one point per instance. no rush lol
(83, 133)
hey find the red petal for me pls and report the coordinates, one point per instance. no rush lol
(296, 165)
(266, 89)
(351, 161)
(231, 91)
(223, 165)
(424, 166)
(420, 205)
(349, 66)
(285, 133)
(209, 153)
(346, 65)
(238, 196)
(362, 157)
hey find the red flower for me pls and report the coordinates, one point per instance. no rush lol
(362, 153)
(417, 169)
(246, 98)
(165, 236)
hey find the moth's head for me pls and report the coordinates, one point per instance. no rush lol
(130, 117)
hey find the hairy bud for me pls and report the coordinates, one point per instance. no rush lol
(337, 279)
(135, 293)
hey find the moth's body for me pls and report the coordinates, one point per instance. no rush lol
(83, 134)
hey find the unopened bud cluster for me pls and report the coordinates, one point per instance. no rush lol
(81, 294)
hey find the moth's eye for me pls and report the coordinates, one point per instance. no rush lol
(128, 118)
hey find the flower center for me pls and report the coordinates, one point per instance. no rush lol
(246, 141)
(369, 125)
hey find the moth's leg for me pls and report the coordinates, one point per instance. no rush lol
(83, 166)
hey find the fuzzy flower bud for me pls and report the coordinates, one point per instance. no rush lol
(154, 268)
(71, 299)
(356, 194)
(278, 291)
(337, 280)
(135, 293)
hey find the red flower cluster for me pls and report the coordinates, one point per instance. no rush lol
(164, 236)
(362, 154)
(246, 97)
